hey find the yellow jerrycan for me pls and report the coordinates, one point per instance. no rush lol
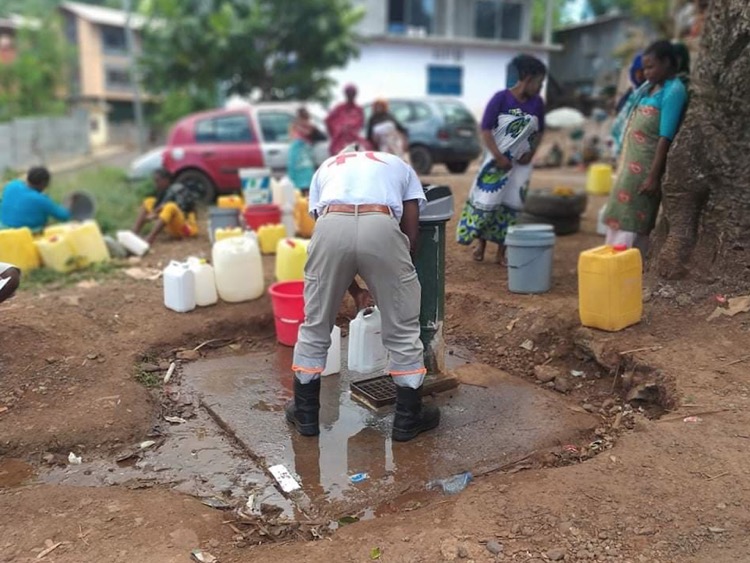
(88, 243)
(57, 253)
(17, 248)
(291, 256)
(269, 237)
(303, 223)
(610, 287)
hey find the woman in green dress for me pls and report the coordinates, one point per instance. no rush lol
(655, 118)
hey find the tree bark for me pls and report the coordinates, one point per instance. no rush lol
(705, 227)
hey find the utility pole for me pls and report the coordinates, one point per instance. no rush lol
(134, 76)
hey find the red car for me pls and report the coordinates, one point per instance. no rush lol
(209, 148)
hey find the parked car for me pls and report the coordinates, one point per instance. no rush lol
(143, 167)
(210, 147)
(441, 131)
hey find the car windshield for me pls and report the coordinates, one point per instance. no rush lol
(455, 113)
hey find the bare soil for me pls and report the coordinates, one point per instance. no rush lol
(648, 487)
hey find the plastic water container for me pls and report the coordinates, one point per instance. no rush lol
(58, 229)
(269, 237)
(88, 244)
(529, 252)
(285, 195)
(132, 242)
(57, 253)
(227, 232)
(258, 215)
(601, 226)
(333, 359)
(230, 202)
(288, 303)
(610, 287)
(304, 224)
(222, 218)
(291, 256)
(599, 179)
(238, 268)
(366, 351)
(256, 185)
(205, 281)
(179, 287)
(17, 248)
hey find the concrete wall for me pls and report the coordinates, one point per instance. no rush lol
(390, 69)
(42, 140)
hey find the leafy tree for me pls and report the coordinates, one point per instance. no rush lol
(539, 16)
(283, 48)
(34, 83)
(39, 7)
(657, 11)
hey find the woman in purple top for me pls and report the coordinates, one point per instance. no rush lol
(512, 127)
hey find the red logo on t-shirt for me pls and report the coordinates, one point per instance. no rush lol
(344, 157)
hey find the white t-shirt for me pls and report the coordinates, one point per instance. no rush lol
(355, 178)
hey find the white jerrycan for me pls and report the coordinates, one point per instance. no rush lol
(132, 242)
(333, 360)
(179, 287)
(366, 351)
(205, 283)
(238, 268)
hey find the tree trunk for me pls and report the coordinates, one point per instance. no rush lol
(705, 227)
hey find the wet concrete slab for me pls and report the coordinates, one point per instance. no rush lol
(484, 425)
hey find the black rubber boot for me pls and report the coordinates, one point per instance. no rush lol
(412, 417)
(303, 410)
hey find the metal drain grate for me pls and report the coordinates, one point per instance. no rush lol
(375, 392)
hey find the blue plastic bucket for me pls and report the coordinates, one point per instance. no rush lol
(529, 252)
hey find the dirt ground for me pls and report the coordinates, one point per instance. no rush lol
(651, 485)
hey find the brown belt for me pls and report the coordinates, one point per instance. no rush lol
(362, 208)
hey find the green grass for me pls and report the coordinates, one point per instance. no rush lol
(117, 201)
(148, 379)
(49, 279)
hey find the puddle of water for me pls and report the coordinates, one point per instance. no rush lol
(14, 472)
(481, 426)
(196, 458)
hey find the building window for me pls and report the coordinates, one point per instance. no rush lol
(411, 17)
(113, 40)
(445, 80)
(118, 79)
(226, 129)
(497, 19)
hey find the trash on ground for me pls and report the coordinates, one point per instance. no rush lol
(169, 373)
(252, 507)
(577, 373)
(358, 477)
(692, 419)
(284, 478)
(217, 503)
(147, 444)
(74, 459)
(511, 325)
(528, 345)
(203, 556)
(149, 274)
(734, 306)
(175, 419)
(451, 485)
(375, 553)
(344, 520)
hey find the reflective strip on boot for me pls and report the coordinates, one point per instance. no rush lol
(411, 379)
(305, 376)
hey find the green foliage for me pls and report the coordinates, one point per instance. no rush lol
(284, 48)
(117, 202)
(657, 11)
(40, 7)
(539, 16)
(48, 279)
(147, 378)
(33, 83)
(179, 103)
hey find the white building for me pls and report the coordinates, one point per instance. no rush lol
(417, 48)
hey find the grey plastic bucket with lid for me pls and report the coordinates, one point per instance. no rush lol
(222, 218)
(529, 253)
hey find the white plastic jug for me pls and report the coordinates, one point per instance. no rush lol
(333, 360)
(205, 281)
(286, 195)
(238, 268)
(132, 242)
(366, 351)
(179, 287)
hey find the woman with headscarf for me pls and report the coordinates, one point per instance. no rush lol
(384, 132)
(658, 105)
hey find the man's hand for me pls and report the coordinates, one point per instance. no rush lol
(504, 163)
(526, 158)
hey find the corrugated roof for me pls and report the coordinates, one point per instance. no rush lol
(593, 21)
(103, 16)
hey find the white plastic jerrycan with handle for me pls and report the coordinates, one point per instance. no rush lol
(205, 283)
(333, 360)
(179, 287)
(366, 351)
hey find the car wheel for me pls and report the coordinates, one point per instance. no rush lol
(561, 225)
(457, 167)
(546, 203)
(201, 182)
(421, 159)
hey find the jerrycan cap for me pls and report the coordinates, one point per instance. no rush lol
(620, 247)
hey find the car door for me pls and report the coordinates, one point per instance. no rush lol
(274, 130)
(225, 144)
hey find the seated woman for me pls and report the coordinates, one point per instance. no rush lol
(24, 204)
(634, 201)
(173, 209)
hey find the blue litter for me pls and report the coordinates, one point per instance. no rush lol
(451, 485)
(358, 477)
